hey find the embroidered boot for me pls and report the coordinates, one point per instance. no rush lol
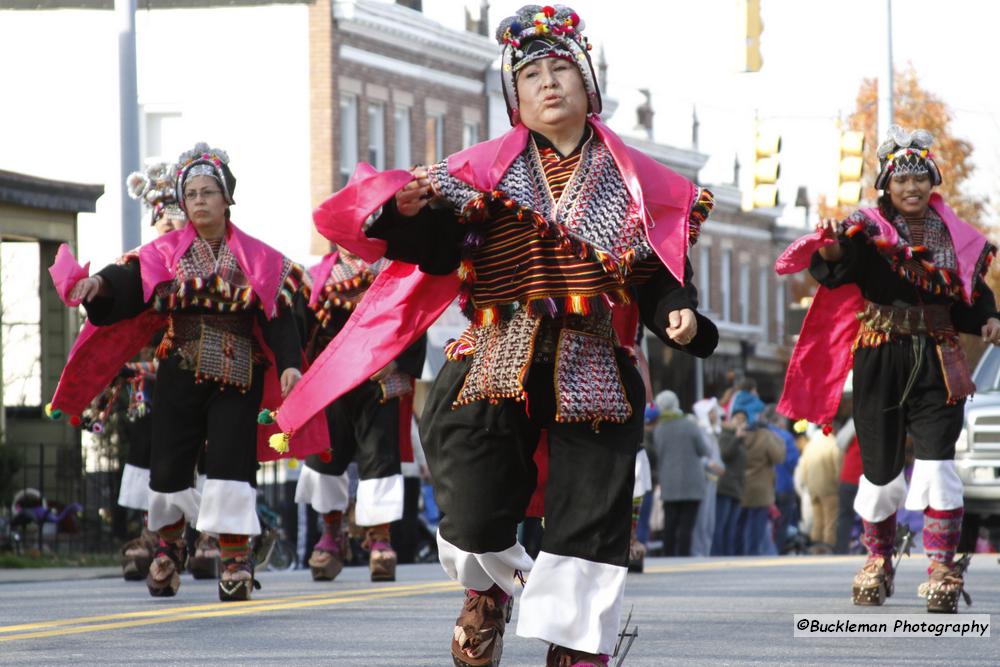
(560, 656)
(945, 578)
(479, 628)
(137, 555)
(204, 564)
(382, 558)
(874, 582)
(236, 580)
(327, 559)
(164, 577)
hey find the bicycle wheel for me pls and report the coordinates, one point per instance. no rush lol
(283, 557)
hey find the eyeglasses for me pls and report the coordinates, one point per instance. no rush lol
(191, 195)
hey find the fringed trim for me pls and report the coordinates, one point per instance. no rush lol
(213, 293)
(462, 347)
(494, 398)
(344, 295)
(700, 210)
(573, 304)
(870, 338)
(293, 283)
(936, 280)
(477, 210)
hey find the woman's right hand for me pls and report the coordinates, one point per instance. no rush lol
(830, 228)
(415, 194)
(86, 289)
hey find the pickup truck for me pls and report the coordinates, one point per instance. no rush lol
(977, 452)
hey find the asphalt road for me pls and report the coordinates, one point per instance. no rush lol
(688, 612)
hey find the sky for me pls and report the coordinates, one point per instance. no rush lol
(815, 56)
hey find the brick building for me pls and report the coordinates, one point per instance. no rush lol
(389, 87)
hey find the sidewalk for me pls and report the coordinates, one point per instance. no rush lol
(41, 574)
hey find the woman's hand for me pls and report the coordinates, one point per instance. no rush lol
(830, 228)
(415, 194)
(289, 378)
(388, 369)
(87, 289)
(682, 326)
(991, 331)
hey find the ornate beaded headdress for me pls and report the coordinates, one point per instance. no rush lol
(155, 188)
(203, 160)
(906, 153)
(535, 32)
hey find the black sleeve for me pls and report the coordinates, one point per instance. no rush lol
(282, 336)
(430, 239)
(411, 360)
(661, 295)
(305, 318)
(125, 301)
(970, 319)
(850, 267)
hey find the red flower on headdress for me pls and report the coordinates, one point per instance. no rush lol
(549, 11)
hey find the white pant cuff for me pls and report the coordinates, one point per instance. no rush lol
(877, 503)
(228, 507)
(480, 571)
(573, 602)
(168, 508)
(380, 500)
(324, 493)
(134, 491)
(934, 484)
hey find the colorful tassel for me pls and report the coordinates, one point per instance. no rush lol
(266, 417)
(279, 442)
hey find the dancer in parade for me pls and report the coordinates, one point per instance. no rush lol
(899, 282)
(154, 187)
(371, 424)
(231, 344)
(542, 232)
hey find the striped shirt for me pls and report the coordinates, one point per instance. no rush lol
(516, 263)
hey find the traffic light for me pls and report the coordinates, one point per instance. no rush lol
(766, 170)
(755, 26)
(852, 165)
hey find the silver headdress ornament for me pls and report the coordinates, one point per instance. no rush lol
(906, 154)
(535, 32)
(156, 188)
(203, 160)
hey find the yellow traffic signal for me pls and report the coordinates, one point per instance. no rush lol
(755, 26)
(766, 170)
(852, 165)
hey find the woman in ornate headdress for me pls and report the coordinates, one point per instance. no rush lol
(370, 423)
(230, 343)
(899, 282)
(154, 187)
(543, 231)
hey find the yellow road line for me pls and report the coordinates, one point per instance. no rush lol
(747, 562)
(174, 614)
(85, 624)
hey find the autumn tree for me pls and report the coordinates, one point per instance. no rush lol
(914, 107)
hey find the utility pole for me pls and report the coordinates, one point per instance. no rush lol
(128, 104)
(885, 80)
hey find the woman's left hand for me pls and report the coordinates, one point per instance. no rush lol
(991, 331)
(289, 378)
(682, 326)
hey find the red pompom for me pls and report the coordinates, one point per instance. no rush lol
(549, 11)
(326, 456)
(574, 18)
(828, 429)
(74, 421)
